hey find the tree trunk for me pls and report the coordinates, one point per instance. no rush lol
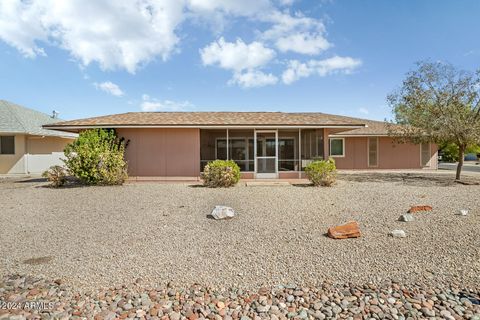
(461, 156)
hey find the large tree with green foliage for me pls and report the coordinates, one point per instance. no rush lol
(97, 157)
(438, 103)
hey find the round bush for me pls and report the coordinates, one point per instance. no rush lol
(96, 157)
(322, 172)
(221, 173)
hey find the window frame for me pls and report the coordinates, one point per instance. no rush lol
(14, 146)
(368, 152)
(330, 148)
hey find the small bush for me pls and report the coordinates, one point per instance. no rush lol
(56, 175)
(221, 173)
(96, 157)
(322, 173)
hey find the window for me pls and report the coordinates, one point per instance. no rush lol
(373, 152)
(337, 147)
(7, 145)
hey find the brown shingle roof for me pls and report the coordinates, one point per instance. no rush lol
(211, 119)
(373, 128)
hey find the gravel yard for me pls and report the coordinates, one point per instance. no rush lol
(108, 236)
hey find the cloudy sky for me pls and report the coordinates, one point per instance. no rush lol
(89, 57)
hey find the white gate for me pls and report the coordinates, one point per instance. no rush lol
(38, 163)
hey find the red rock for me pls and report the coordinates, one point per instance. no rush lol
(348, 230)
(34, 292)
(153, 312)
(414, 209)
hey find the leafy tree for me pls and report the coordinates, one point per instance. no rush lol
(97, 157)
(438, 103)
(450, 151)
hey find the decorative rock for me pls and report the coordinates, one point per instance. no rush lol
(414, 209)
(463, 212)
(390, 300)
(348, 230)
(406, 217)
(222, 212)
(174, 316)
(398, 234)
(263, 309)
(263, 291)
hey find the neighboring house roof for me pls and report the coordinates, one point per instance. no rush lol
(213, 119)
(18, 119)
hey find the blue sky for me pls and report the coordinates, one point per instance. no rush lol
(86, 57)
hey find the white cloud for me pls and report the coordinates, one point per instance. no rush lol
(336, 64)
(232, 7)
(237, 55)
(286, 2)
(20, 26)
(304, 43)
(241, 58)
(363, 110)
(127, 34)
(253, 78)
(116, 34)
(296, 33)
(152, 104)
(109, 87)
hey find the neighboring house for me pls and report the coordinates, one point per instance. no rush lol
(175, 145)
(25, 146)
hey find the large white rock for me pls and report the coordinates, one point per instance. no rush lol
(223, 212)
(407, 217)
(398, 234)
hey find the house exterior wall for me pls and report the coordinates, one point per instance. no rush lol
(14, 163)
(169, 153)
(33, 154)
(162, 152)
(391, 155)
(46, 145)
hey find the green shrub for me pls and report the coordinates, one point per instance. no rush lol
(322, 172)
(96, 157)
(221, 173)
(56, 175)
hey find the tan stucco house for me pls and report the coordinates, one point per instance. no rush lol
(177, 145)
(25, 146)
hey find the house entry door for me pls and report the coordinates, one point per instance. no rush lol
(266, 154)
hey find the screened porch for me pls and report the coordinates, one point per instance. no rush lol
(265, 153)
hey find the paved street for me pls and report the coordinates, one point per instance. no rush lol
(470, 166)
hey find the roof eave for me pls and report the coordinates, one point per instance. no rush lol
(77, 128)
